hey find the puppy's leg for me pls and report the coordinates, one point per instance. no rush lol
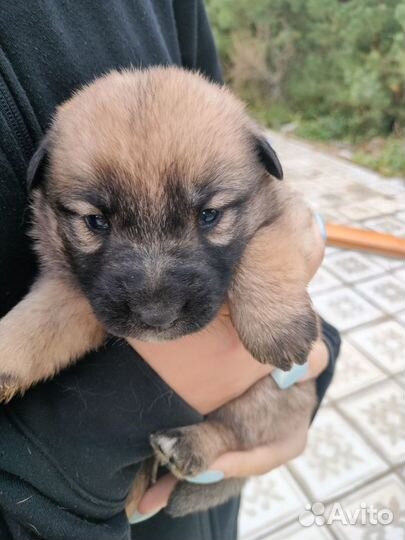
(50, 328)
(269, 304)
(260, 416)
(188, 498)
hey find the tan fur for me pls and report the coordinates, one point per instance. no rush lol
(50, 328)
(179, 124)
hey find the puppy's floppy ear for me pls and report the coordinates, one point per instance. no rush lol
(267, 156)
(37, 164)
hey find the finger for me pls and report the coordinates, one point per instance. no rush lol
(262, 459)
(317, 360)
(318, 246)
(157, 496)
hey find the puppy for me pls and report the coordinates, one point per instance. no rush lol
(156, 199)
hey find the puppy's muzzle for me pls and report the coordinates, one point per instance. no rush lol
(159, 316)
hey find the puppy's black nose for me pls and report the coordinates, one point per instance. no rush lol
(158, 318)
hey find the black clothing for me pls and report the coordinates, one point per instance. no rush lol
(70, 447)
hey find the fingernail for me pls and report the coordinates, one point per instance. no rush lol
(321, 225)
(207, 477)
(137, 517)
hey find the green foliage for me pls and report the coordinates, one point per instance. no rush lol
(336, 67)
(388, 159)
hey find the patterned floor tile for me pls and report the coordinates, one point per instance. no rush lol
(359, 193)
(399, 273)
(391, 187)
(379, 413)
(385, 291)
(401, 318)
(390, 225)
(387, 263)
(351, 266)
(268, 502)
(384, 343)
(366, 209)
(344, 308)
(354, 371)
(400, 379)
(298, 532)
(337, 458)
(384, 499)
(329, 251)
(323, 281)
(401, 216)
(390, 205)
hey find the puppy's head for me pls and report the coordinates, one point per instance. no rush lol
(153, 183)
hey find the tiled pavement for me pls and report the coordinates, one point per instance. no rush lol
(356, 449)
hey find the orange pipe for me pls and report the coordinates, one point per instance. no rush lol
(359, 239)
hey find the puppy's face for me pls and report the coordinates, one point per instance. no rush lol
(155, 182)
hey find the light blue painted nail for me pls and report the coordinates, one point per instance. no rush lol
(207, 477)
(137, 517)
(285, 379)
(321, 225)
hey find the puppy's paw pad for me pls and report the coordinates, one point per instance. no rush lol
(178, 450)
(10, 385)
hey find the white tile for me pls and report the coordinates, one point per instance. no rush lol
(391, 187)
(400, 379)
(323, 281)
(387, 263)
(385, 497)
(379, 413)
(384, 343)
(401, 318)
(364, 209)
(354, 371)
(345, 308)
(389, 205)
(336, 460)
(299, 532)
(399, 273)
(401, 216)
(351, 266)
(329, 251)
(268, 502)
(389, 225)
(385, 291)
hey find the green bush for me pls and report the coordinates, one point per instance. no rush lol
(335, 67)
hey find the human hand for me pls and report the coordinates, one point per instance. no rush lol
(248, 463)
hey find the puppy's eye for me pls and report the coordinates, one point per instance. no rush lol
(209, 217)
(97, 222)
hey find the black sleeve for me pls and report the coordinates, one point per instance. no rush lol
(196, 42)
(70, 448)
(332, 340)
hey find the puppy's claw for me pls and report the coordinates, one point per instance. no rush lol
(177, 450)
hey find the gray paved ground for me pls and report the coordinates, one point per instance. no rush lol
(357, 444)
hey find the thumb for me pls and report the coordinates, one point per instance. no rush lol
(157, 496)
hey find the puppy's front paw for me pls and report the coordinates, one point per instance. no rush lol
(281, 340)
(10, 385)
(179, 449)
